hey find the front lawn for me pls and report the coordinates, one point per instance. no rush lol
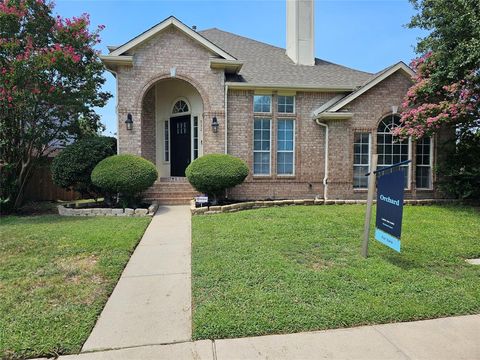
(292, 269)
(56, 274)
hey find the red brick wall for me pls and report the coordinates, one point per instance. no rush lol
(369, 109)
(152, 62)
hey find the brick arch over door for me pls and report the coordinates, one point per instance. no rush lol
(148, 112)
(150, 83)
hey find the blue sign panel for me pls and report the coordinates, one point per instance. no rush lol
(388, 229)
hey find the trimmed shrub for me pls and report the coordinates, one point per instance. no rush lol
(72, 168)
(126, 175)
(213, 173)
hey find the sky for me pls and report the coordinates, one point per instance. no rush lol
(365, 35)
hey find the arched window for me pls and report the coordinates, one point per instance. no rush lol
(180, 107)
(391, 150)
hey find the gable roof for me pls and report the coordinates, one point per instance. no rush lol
(170, 21)
(268, 66)
(333, 108)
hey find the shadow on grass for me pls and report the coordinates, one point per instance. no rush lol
(401, 262)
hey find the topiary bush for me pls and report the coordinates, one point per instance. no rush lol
(72, 168)
(124, 176)
(214, 173)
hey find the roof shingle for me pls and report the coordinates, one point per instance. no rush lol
(269, 65)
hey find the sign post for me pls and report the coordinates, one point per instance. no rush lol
(368, 214)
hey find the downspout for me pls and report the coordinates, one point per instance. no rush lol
(325, 177)
(226, 118)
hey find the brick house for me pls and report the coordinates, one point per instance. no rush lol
(306, 127)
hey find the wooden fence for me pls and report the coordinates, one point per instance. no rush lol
(42, 188)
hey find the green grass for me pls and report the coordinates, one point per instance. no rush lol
(56, 274)
(292, 269)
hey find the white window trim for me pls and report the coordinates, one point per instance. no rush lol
(409, 175)
(294, 105)
(409, 157)
(269, 151)
(430, 166)
(271, 104)
(169, 142)
(183, 113)
(369, 155)
(293, 151)
(192, 123)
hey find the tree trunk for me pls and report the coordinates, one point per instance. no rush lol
(23, 178)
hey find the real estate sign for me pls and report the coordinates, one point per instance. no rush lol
(388, 228)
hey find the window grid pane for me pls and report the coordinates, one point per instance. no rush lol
(285, 104)
(262, 103)
(195, 137)
(285, 146)
(423, 169)
(391, 151)
(361, 159)
(261, 146)
(166, 152)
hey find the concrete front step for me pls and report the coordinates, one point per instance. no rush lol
(170, 200)
(175, 191)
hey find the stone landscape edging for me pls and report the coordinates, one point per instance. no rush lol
(66, 211)
(258, 204)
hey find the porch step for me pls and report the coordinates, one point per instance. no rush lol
(171, 201)
(170, 191)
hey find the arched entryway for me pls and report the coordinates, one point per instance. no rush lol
(179, 124)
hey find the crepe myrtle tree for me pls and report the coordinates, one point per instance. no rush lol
(446, 89)
(50, 82)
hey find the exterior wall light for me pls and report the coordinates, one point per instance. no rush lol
(394, 109)
(129, 122)
(215, 124)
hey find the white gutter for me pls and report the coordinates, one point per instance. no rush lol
(226, 118)
(325, 176)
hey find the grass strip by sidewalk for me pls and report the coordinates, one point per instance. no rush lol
(56, 274)
(291, 269)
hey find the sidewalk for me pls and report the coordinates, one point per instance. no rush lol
(151, 303)
(448, 338)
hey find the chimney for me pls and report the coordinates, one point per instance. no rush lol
(300, 32)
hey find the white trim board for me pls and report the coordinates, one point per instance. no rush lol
(179, 25)
(376, 80)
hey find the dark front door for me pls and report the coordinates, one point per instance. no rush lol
(180, 144)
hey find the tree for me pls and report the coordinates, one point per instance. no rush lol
(50, 83)
(446, 90)
(72, 168)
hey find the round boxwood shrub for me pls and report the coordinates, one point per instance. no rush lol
(212, 174)
(72, 168)
(127, 175)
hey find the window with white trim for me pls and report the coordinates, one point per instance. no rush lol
(261, 146)
(285, 146)
(262, 103)
(423, 171)
(391, 150)
(180, 107)
(166, 141)
(286, 104)
(361, 159)
(195, 137)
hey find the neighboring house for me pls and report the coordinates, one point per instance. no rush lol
(305, 127)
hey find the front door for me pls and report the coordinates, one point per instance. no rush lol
(180, 144)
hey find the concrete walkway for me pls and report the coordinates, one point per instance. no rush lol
(452, 338)
(151, 303)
